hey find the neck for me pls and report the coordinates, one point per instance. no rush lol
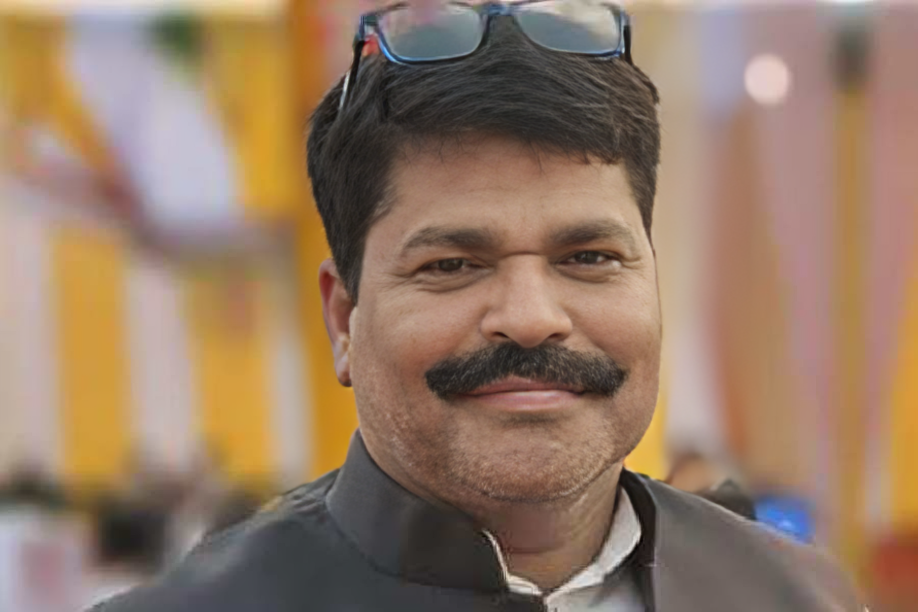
(547, 544)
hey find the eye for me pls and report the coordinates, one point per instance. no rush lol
(448, 265)
(591, 258)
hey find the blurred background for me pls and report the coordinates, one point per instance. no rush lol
(164, 368)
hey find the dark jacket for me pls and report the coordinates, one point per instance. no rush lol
(355, 541)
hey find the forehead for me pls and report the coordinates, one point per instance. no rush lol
(506, 185)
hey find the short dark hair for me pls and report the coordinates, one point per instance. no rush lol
(603, 109)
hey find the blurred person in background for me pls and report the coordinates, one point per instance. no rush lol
(706, 477)
(41, 543)
(150, 481)
(208, 503)
(486, 178)
(28, 485)
(693, 471)
(129, 545)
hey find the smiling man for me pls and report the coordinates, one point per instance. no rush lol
(486, 178)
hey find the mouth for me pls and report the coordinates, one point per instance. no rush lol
(524, 395)
(522, 385)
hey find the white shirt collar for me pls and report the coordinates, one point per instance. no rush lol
(623, 538)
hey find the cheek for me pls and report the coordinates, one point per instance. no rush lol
(623, 324)
(635, 334)
(626, 326)
(399, 339)
(394, 343)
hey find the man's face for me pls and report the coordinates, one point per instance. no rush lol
(507, 337)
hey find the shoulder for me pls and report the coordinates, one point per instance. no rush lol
(267, 556)
(744, 550)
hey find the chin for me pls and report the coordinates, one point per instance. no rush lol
(529, 473)
(538, 488)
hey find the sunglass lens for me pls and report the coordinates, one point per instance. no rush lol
(576, 26)
(443, 31)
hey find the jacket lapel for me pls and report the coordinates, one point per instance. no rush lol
(707, 560)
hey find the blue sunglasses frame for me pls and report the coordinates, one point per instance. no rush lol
(370, 25)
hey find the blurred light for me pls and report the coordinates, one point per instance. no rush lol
(768, 79)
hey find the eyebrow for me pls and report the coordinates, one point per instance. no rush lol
(465, 238)
(484, 239)
(592, 231)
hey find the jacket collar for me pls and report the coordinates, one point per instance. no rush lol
(404, 535)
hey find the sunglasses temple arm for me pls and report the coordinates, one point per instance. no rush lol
(626, 31)
(351, 77)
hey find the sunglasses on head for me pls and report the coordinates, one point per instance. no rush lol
(454, 30)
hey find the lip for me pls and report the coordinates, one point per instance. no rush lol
(521, 395)
(522, 385)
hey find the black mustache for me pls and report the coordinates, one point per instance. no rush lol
(549, 363)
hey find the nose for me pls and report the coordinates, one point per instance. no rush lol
(524, 306)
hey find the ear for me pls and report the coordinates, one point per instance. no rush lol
(336, 309)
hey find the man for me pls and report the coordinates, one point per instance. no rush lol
(486, 180)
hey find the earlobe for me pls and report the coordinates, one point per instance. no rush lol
(343, 368)
(337, 307)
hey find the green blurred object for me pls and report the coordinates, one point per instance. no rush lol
(180, 36)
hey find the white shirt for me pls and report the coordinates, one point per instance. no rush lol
(588, 589)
